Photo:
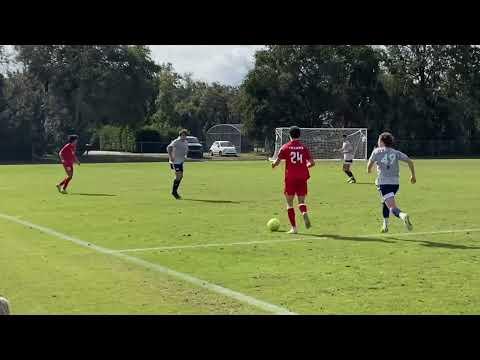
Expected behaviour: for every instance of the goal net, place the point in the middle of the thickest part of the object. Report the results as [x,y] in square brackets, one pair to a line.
[322,142]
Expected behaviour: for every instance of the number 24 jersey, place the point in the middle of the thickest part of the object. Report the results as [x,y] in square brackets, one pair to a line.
[296,156]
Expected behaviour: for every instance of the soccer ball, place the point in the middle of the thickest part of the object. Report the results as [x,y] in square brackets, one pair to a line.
[273,224]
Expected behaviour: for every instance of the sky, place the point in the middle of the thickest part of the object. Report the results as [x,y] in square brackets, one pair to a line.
[226,64]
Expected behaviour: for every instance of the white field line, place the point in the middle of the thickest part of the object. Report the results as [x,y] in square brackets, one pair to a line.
[177,247]
[161,269]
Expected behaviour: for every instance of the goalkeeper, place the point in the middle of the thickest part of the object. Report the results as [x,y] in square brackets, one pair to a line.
[348,153]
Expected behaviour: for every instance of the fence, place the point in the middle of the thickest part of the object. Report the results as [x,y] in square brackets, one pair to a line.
[155,146]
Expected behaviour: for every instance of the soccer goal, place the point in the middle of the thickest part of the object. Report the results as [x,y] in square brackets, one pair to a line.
[323,142]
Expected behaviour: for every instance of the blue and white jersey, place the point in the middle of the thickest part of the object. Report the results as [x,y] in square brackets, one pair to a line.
[388,169]
[180,150]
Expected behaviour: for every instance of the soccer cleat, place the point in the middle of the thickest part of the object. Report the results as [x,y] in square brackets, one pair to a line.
[64,191]
[176,196]
[306,219]
[407,222]
[59,188]
[292,231]
[384,229]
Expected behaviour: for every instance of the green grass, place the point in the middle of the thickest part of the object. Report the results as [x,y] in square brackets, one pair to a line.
[333,268]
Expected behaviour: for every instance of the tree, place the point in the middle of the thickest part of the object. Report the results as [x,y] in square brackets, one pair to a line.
[299,83]
[87,86]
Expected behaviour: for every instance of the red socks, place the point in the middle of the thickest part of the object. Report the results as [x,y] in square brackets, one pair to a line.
[291,216]
[65,183]
[303,208]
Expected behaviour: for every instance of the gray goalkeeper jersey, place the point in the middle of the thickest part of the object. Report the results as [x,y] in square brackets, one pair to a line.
[347,150]
[180,150]
[387,165]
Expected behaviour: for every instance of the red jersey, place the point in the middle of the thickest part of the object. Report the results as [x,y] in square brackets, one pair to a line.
[68,153]
[296,156]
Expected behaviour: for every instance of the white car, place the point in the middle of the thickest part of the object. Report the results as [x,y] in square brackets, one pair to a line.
[222,148]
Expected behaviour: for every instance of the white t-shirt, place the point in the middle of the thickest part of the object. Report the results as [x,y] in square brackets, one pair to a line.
[180,150]
[347,150]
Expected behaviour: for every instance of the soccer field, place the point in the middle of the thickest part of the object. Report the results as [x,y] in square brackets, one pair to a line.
[120,244]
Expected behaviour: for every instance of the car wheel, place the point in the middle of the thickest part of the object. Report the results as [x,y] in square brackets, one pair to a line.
[211,153]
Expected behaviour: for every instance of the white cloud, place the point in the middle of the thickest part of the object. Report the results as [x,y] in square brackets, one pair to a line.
[226,64]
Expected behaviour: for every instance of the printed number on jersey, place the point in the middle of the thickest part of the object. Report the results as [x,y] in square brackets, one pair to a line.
[296,157]
[388,159]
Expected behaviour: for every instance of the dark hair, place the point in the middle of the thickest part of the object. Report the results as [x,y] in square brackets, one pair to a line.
[183,131]
[294,132]
[344,136]
[72,138]
[387,139]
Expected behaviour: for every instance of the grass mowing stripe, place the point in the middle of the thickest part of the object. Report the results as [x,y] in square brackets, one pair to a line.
[161,269]
[288,240]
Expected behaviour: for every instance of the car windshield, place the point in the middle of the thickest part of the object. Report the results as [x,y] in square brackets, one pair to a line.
[192,139]
[225,143]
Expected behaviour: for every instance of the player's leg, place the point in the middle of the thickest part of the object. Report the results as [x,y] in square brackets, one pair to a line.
[289,196]
[385,209]
[301,194]
[394,209]
[62,186]
[386,216]
[346,169]
[177,180]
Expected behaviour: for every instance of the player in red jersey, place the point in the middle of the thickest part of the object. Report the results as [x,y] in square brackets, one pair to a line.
[68,157]
[297,162]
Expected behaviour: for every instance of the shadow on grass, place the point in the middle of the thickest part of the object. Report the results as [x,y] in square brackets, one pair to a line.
[86,194]
[213,201]
[349,238]
[388,239]
[428,243]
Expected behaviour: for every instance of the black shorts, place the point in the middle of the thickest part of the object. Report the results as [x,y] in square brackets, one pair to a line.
[348,162]
[387,191]
[177,167]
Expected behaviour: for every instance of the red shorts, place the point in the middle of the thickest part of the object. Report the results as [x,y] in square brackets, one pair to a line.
[295,186]
[68,167]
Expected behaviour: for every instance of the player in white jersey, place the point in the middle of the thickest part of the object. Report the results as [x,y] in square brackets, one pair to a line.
[386,158]
[348,153]
[177,153]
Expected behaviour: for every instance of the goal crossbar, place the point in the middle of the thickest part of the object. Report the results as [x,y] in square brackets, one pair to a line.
[324,143]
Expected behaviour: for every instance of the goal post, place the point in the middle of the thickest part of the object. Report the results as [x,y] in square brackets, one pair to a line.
[322,142]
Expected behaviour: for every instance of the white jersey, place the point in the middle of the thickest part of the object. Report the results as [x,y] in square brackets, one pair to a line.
[387,165]
[180,150]
[347,150]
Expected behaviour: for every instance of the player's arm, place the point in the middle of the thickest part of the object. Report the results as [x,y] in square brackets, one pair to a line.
[170,151]
[276,162]
[411,166]
[310,161]
[60,154]
[75,157]
[371,162]
[413,178]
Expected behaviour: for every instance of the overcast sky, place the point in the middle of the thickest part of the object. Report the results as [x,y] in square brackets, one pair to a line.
[226,64]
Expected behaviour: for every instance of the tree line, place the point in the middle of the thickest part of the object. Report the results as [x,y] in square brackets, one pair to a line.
[115,95]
